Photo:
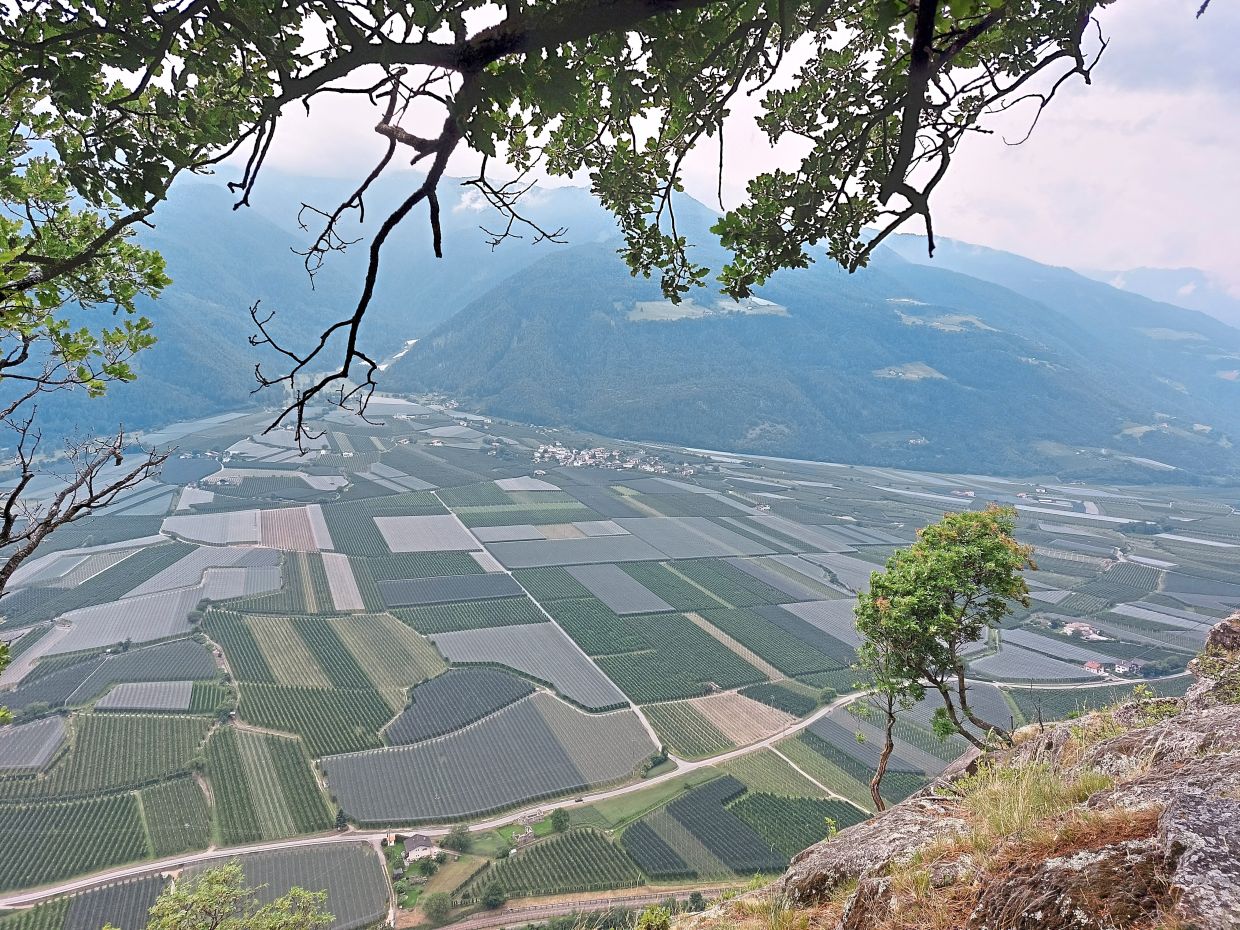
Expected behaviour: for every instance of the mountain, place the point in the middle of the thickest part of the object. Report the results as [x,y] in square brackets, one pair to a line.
[982,362]
[1185,287]
[222,261]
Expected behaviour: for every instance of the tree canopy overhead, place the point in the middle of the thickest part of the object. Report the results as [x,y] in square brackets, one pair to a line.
[879,93]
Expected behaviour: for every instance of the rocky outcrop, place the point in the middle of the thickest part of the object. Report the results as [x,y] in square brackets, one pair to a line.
[1154,842]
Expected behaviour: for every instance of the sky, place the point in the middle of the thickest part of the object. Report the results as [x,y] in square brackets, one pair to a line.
[1138,169]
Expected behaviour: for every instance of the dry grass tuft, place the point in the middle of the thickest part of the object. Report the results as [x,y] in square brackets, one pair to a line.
[1005,800]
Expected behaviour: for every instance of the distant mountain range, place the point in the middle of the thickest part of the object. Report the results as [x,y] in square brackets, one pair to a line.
[1185,287]
[978,361]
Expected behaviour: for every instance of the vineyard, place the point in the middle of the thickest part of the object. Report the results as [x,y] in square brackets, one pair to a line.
[580,860]
[351,875]
[109,585]
[790,825]
[123,905]
[781,697]
[49,916]
[551,584]
[245,658]
[454,699]
[176,816]
[353,530]
[843,774]
[703,813]
[341,668]
[45,842]
[685,731]
[470,615]
[329,721]
[109,752]
[1063,703]
[768,772]
[596,628]
[423,565]
[393,655]
[180,660]
[508,515]
[484,494]
[653,854]
[541,651]
[674,589]
[790,655]
[207,697]
[536,748]
[682,661]
[263,787]
[729,583]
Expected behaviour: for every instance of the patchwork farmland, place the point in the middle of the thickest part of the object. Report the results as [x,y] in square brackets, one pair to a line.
[425,623]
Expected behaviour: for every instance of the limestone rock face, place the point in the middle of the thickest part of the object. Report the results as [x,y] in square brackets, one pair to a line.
[1174,763]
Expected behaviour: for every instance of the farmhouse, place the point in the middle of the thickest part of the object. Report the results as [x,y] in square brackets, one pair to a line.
[418,846]
[1095,667]
[1128,667]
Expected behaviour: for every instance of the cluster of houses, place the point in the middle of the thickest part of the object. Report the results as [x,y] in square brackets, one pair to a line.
[601,457]
[1119,667]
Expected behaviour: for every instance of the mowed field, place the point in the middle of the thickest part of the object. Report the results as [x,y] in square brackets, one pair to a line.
[436,622]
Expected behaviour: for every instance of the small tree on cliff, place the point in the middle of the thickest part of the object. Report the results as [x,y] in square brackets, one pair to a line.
[893,692]
[934,598]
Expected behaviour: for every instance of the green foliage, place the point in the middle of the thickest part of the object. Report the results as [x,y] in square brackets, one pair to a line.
[934,598]
[217,899]
[654,917]
[559,820]
[458,839]
[437,906]
[494,896]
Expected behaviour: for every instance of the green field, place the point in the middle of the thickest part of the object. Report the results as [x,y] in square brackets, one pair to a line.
[264,788]
[685,731]
[113,751]
[579,860]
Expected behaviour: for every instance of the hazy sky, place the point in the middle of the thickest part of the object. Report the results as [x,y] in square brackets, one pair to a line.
[1138,169]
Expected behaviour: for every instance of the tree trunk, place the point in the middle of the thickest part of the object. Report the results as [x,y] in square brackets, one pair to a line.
[883,757]
[977,721]
[955,717]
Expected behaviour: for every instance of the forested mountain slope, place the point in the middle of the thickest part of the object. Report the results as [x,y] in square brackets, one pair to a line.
[902,364]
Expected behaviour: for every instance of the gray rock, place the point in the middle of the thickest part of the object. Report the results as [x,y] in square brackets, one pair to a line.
[1121,885]
[868,848]
[1200,838]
